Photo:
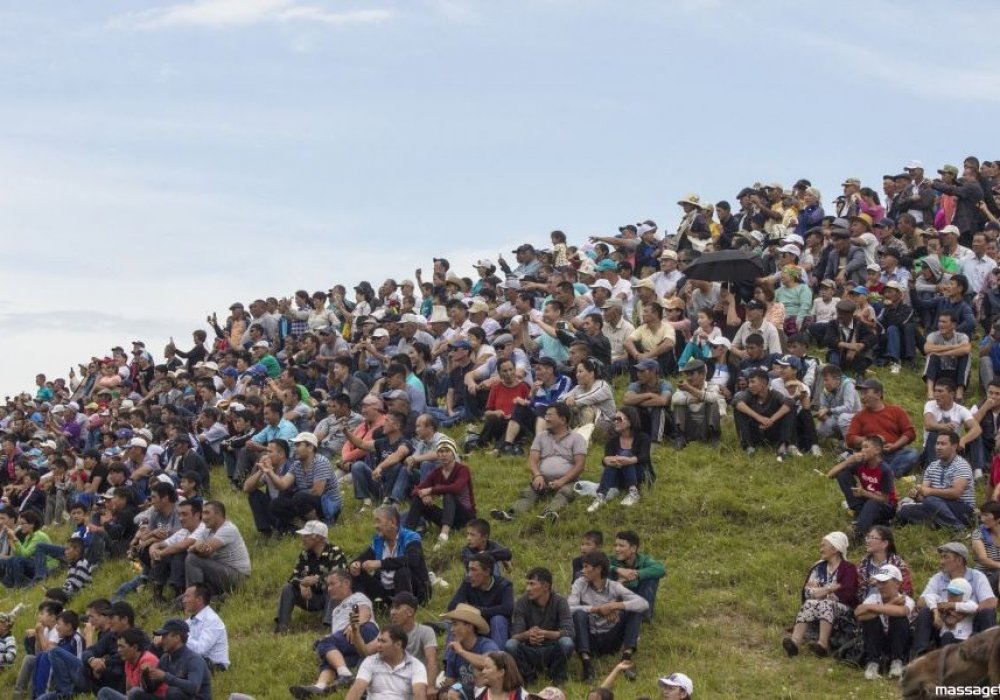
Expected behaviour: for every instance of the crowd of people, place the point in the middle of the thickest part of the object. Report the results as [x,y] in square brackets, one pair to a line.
[394,394]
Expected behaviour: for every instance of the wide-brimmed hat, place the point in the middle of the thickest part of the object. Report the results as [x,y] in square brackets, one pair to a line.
[691,199]
[439,314]
[467,613]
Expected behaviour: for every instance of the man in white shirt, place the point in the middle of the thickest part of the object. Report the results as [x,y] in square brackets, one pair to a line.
[978,267]
[617,328]
[942,414]
[666,279]
[392,673]
[208,635]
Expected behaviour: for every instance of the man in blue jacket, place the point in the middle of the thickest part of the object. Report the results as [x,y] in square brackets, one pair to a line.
[393,563]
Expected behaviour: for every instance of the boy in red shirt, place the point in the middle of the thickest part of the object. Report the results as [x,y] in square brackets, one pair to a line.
[868,485]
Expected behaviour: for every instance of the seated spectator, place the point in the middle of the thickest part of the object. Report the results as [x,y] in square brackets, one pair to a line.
[592,400]
[275,426]
[393,673]
[331,431]
[181,669]
[306,587]
[617,328]
[266,483]
[477,541]
[755,357]
[208,636]
[788,383]
[697,406]
[756,325]
[376,478]
[637,572]
[220,558]
[653,340]
[954,558]
[898,341]
[541,633]
[501,678]
[590,541]
[186,459]
[550,386]
[650,396]
[162,522]
[989,356]
[352,626]
[27,494]
[763,415]
[824,310]
[555,462]
[421,641]
[136,657]
[948,353]
[500,407]
[8,645]
[942,413]
[394,561]
[424,458]
[830,592]
[676,686]
[167,557]
[445,497]
[868,486]
[309,490]
[889,422]
[885,618]
[466,654]
[798,346]
[947,495]
[698,347]
[606,614]
[838,402]
[880,549]
[626,461]
[849,342]
[492,595]
[986,542]
[18,569]
[39,640]
[79,573]
[724,367]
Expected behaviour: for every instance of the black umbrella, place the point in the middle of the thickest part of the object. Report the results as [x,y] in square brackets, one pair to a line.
[725,266]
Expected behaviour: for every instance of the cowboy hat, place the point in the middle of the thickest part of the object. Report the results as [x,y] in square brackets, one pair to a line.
[466,613]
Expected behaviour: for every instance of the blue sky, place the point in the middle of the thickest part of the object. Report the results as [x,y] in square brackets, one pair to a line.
[161,159]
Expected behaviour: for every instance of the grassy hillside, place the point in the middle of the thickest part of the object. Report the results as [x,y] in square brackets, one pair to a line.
[737,534]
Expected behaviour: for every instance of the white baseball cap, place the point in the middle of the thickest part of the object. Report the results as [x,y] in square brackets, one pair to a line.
[314,527]
[678,680]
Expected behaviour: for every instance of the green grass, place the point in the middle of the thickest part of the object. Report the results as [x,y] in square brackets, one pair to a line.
[737,534]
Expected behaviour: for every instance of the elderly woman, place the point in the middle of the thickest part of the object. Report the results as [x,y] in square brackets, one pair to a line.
[986,542]
[591,400]
[795,297]
[830,592]
[812,214]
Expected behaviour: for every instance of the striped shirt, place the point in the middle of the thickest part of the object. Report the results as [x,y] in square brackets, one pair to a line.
[943,476]
[8,651]
[78,576]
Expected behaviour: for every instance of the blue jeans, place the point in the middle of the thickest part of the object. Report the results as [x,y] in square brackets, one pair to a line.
[975,454]
[901,344]
[937,511]
[66,668]
[446,421]
[620,478]
[624,634]
[869,512]
[16,572]
[367,487]
[901,461]
[499,630]
[42,552]
[647,589]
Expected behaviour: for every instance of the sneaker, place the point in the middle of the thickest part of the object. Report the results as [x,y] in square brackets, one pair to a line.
[794,451]
[977,474]
[343,681]
[816,451]
[442,540]
[366,505]
[896,669]
[871,671]
[598,502]
[782,453]
[895,369]
[612,494]
[750,451]
[498,514]
[437,580]
[631,498]
[549,515]
[680,442]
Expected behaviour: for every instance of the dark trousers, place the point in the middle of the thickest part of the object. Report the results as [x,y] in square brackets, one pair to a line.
[301,504]
[924,632]
[975,454]
[169,571]
[857,366]
[623,635]
[450,513]
[881,643]
[493,431]
[752,435]
[960,371]
[868,511]
[698,425]
[804,430]
[533,659]
[653,420]
[291,598]
[954,514]
[371,585]
[260,506]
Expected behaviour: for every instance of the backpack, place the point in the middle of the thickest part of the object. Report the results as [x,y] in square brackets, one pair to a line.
[847,644]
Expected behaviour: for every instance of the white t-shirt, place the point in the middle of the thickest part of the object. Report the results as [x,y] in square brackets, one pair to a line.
[387,682]
[957,415]
[340,615]
[868,243]
[876,599]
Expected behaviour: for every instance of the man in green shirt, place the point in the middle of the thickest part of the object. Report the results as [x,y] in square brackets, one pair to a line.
[637,572]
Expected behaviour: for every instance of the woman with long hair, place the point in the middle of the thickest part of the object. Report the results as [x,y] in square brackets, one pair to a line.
[500,678]
[626,460]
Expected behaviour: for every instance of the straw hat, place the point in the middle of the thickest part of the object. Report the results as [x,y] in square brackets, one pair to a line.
[691,199]
[466,613]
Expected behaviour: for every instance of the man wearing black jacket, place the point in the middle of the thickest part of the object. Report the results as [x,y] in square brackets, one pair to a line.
[899,339]
[849,342]
[542,633]
[969,194]
[492,595]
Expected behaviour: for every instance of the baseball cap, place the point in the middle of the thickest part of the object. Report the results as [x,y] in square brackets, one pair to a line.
[914,165]
[460,345]
[668,255]
[503,339]
[484,263]
[230,372]
[789,248]
[678,680]
[648,364]
[851,181]
[306,437]
[314,527]
[754,304]
[607,265]
[721,340]
[827,283]
[895,285]
[602,284]
[861,290]
[948,169]
[172,626]
[380,333]
[612,304]
[693,366]
[262,344]
[395,394]
[789,361]
[959,586]
[888,572]
[138,442]
[549,693]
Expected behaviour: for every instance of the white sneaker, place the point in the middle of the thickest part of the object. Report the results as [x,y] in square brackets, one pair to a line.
[871,671]
[442,540]
[895,369]
[598,502]
[365,506]
[612,494]
[896,669]
[437,580]
[977,475]
[631,498]
[794,451]
[816,451]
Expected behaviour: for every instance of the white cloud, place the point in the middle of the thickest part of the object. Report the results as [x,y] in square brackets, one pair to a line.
[218,14]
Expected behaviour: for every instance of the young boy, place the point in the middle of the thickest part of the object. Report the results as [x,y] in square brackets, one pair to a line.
[80,572]
[8,644]
[868,486]
[190,486]
[592,541]
[824,309]
[798,346]
[955,623]
[477,541]
[67,623]
[42,637]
